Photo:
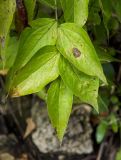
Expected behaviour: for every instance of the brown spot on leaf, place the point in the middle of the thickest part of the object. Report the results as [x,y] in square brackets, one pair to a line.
[76,52]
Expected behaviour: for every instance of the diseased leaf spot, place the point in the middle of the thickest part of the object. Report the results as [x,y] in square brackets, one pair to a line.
[76,52]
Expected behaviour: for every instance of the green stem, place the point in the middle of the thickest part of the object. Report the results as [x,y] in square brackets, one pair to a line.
[56,11]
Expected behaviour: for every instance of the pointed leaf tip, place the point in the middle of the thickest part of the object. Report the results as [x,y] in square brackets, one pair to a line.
[59,102]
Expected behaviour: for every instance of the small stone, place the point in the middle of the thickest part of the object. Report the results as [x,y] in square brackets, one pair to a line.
[77,139]
[61,157]
[6,156]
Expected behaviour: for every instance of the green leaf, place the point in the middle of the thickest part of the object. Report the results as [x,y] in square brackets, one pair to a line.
[103,104]
[37,73]
[118,155]
[11,52]
[101,131]
[30,6]
[74,44]
[59,102]
[117,7]
[109,72]
[113,25]
[106,8]
[83,86]
[41,33]
[42,94]
[75,11]
[94,9]
[50,3]
[7,9]
[100,33]
[114,124]
[105,55]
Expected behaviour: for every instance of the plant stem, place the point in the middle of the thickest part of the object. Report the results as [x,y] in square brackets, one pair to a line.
[56,11]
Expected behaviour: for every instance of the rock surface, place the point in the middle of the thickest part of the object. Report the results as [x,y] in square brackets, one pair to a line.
[77,139]
[6,156]
[7,143]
